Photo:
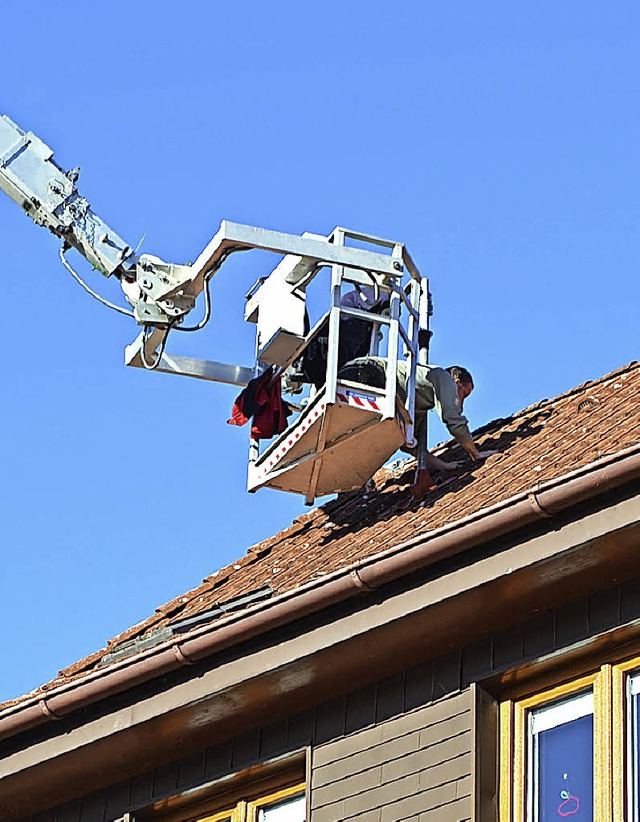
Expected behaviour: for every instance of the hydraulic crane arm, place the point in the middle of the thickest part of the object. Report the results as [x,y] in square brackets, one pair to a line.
[49,195]
[344,430]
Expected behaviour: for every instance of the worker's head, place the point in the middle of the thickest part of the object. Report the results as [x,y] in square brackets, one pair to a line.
[463,380]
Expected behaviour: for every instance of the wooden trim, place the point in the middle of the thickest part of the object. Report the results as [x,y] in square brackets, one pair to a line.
[622,752]
[230,815]
[619,768]
[308,778]
[486,755]
[254,806]
[507,748]
[603,743]
[558,676]
[520,762]
[559,691]
[621,747]
[629,665]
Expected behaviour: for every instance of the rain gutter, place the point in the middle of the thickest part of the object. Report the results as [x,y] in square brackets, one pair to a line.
[541,502]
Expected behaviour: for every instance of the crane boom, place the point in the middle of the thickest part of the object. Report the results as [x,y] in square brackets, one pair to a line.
[49,195]
[344,431]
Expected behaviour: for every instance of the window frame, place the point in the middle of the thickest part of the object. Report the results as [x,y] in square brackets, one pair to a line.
[622,673]
[231,814]
[255,805]
[229,797]
[513,753]
[247,809]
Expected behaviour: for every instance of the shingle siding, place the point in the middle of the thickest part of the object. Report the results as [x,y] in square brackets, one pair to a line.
[411,765]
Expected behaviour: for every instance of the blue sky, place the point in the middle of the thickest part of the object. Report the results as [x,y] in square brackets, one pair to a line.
[499,141]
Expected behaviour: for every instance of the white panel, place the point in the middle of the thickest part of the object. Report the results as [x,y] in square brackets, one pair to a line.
[289,810]
[634,684]
[542,719]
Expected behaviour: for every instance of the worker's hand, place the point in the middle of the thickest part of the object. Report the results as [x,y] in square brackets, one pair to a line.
[442,465]
[483,455]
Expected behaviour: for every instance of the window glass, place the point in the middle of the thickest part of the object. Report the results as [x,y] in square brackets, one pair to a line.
[561,760]
[292,809]
[633,746]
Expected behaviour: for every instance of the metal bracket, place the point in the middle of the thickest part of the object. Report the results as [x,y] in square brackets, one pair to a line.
[187,366]
[161,280]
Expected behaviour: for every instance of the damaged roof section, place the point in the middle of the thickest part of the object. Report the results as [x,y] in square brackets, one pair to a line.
[181,626]
[539,444]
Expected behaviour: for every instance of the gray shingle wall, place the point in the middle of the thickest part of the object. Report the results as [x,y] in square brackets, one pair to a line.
[414,766]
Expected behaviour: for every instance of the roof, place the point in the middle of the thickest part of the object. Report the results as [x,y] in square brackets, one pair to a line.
[538,444]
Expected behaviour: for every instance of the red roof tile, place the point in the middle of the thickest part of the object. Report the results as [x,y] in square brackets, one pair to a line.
[540,443]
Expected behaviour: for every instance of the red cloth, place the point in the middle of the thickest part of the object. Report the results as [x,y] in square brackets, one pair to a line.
[262,400]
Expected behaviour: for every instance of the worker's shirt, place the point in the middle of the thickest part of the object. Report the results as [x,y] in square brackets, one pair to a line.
[436,388]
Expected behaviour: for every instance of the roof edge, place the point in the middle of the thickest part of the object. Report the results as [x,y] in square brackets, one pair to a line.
[540,502]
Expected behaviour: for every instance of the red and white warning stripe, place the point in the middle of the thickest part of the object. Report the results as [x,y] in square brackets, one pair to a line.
[359,400]
[292,439]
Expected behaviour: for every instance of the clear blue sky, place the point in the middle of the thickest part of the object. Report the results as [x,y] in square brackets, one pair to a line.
[498,140]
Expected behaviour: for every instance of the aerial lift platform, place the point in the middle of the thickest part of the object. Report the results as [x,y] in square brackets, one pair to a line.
[343,432]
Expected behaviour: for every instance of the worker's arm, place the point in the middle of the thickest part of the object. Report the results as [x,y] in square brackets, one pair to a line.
[470,447]
[447,405]
[436,464]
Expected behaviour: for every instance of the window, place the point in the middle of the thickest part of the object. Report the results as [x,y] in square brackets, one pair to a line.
[287,805]
[573,751]
[278,808]
[560,766]
[274,791]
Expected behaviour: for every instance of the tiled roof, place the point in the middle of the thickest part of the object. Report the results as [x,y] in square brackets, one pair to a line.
[540,443]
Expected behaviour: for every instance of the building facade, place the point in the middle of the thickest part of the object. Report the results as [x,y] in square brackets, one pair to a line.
[475,656]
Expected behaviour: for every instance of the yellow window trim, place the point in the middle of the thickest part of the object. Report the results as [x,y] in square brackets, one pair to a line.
[513,738]
[254,806]
[618,738]
[230,815]
[247,811]
[620,673]
[506,759]
[609,685]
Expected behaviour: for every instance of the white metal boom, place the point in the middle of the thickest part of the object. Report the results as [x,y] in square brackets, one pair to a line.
[345,431]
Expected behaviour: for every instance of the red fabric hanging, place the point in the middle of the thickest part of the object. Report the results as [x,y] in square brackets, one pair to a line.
[262,400]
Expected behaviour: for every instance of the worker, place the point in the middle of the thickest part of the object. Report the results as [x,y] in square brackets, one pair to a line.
[444,389]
